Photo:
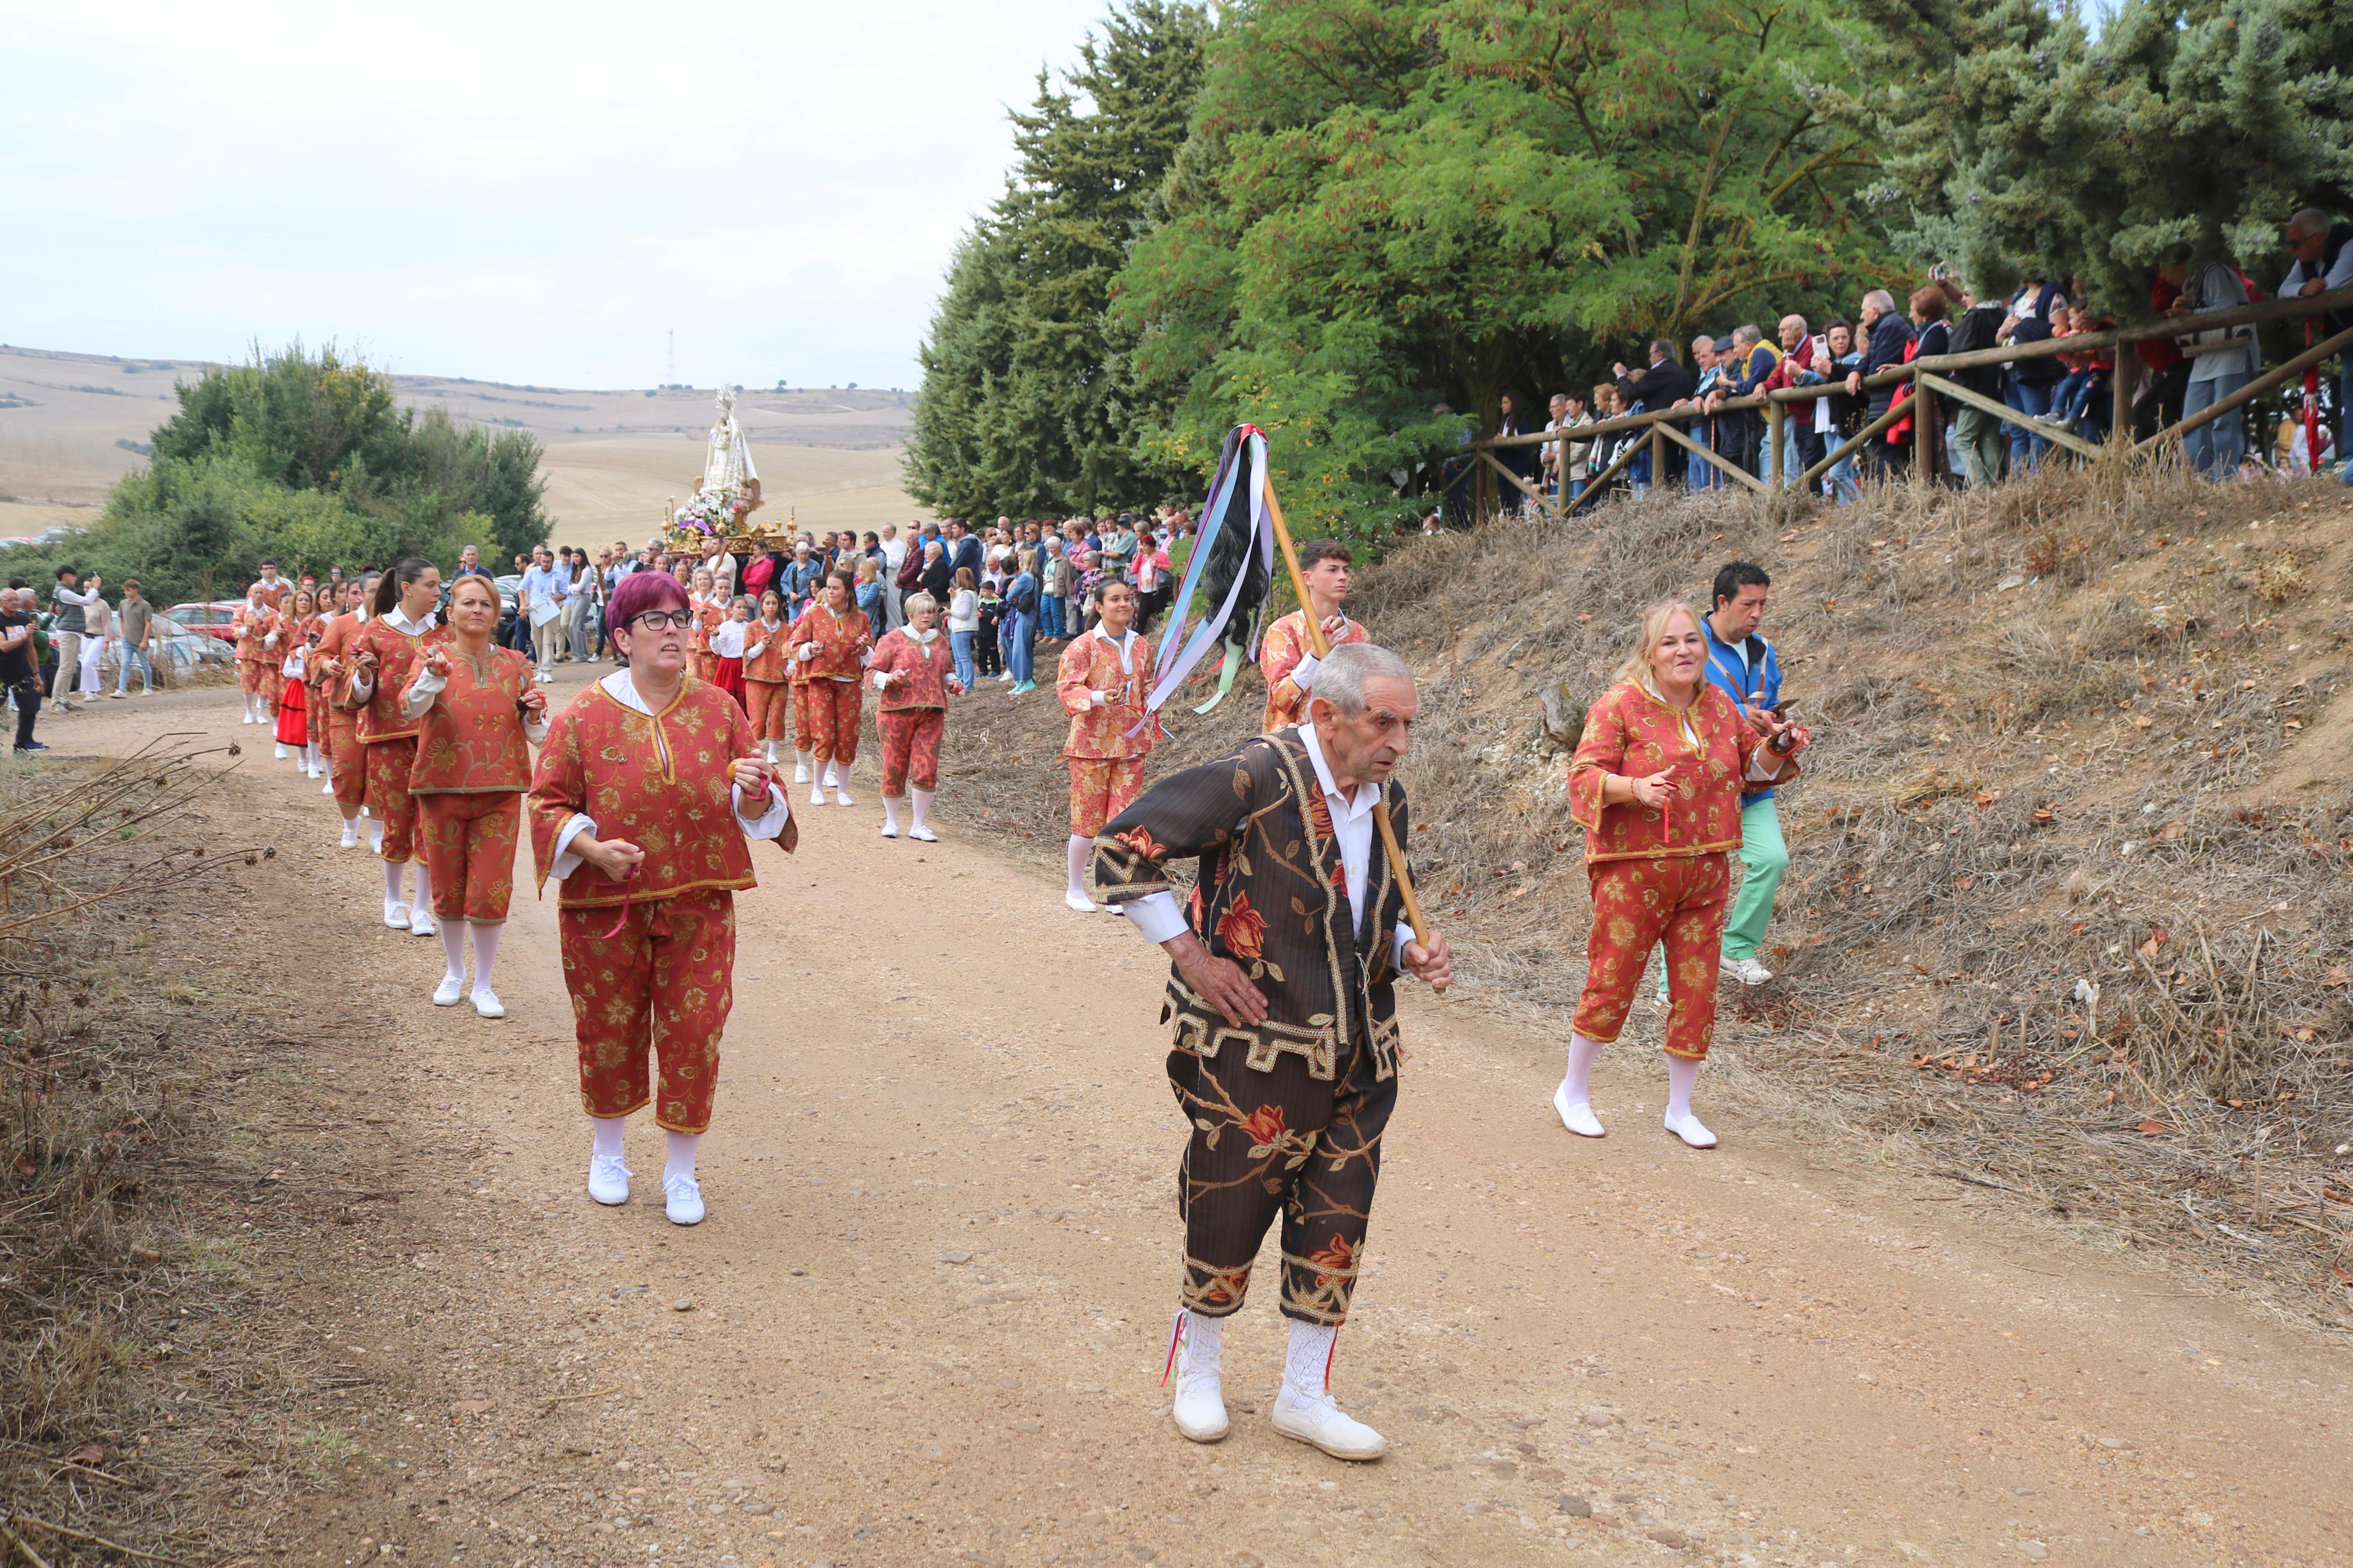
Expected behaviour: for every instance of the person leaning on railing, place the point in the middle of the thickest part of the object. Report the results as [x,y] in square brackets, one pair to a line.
[2221,360]
[2324,261]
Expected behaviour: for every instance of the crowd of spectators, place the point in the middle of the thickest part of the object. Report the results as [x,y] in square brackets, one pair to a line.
[2172,377]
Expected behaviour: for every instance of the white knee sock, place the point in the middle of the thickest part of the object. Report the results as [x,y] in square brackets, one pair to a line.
[1681,1073]
[804,760]
[1201,1342]
[606,1133]
[1079,850]
[1307,1363]
[392,893]
[889,814]
[1581,1055]
[375,835]
[424,889]
[486,950]
[922,798]
[680,1162]
[453,943]
[768,748]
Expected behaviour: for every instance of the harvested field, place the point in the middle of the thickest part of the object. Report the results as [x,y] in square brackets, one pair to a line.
[2072,866]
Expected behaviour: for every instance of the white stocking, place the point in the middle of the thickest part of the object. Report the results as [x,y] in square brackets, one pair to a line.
[424,888]
[453,943]
[486,950]
[924,798]
[375,839]
[891,813]
[391,894]
[1581,1055]
[681,1155]
[1307,1363]
[1079,850]
[607,1131]
[1681,1073]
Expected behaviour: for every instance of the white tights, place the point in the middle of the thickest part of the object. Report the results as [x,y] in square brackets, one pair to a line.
[606,1143]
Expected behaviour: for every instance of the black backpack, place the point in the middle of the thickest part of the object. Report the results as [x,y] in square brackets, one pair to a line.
[1977,330]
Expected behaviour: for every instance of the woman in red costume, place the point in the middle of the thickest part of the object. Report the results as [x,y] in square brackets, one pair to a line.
[915,672]
[646,791]
[1656,785]
[383,657]
[831,642]
[346,766]
[477,713]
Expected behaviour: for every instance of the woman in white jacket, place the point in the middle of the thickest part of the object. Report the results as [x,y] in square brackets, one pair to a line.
[964,622]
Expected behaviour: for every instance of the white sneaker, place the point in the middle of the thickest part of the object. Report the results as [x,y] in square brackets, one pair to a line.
[608,1180]
[446,994]
[1317,1421]
[350,839]
[1747,971]
[801,773]
[487,1003]
[281,750]
[841,796]
[683,1200]
[1692,1130]
[249,719]
[923,835]
[544,679]
[421,922]
[891,830]
[1200,1409]
[375,837]
[328,788]
[395,914]
[1080,901]
[817,796]
[1576,1115]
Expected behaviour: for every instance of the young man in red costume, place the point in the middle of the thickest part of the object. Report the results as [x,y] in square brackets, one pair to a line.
[1103,680]
[1285,657]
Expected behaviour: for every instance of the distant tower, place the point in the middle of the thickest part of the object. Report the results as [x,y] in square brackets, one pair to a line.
[669,369]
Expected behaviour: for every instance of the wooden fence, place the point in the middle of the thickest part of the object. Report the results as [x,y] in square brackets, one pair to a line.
[1931,379]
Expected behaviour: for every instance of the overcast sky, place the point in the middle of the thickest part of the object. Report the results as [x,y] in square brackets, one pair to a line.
[525,193]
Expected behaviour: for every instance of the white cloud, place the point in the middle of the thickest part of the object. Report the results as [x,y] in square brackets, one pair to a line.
[519,191]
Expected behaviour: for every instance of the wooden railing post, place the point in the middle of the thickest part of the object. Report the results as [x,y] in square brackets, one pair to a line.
[1658,458]
[2120,398]
[1923,433]
[1774,414]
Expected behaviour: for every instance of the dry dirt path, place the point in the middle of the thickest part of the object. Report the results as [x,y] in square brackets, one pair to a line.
[927,1314]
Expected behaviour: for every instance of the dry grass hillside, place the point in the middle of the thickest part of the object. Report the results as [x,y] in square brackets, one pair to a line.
[2072,866]
[70,424]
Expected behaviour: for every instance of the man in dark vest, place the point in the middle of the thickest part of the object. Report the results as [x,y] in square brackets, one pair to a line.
[1282,993]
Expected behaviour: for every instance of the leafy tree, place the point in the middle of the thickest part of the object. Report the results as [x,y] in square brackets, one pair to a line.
[2022,144]
[1019,408]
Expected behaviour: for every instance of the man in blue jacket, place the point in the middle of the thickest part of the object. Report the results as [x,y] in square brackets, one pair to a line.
[1745,669]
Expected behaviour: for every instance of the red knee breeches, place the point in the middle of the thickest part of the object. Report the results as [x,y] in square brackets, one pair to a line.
[650,1004]
[350,760]
[1100,790]
[910,748]
[470,851]
[828,713]
[764,701]
[389,763]
[1637,905]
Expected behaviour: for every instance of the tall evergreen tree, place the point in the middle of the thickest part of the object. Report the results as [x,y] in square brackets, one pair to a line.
[1019,410]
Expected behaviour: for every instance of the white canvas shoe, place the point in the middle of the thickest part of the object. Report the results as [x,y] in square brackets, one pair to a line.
[817,796]
[1080,901]
[328,788]
[1200,1410]
[890,830]
[1576,1115]
[421,922]
[683,1200]
[1747,971]
[801,773]
[1318,1422]
[395,914]
[923,835]
[1692,1130]
[487,1003]
[841,795]
[446,994]
[350,839]
[608,1180]
[281,750]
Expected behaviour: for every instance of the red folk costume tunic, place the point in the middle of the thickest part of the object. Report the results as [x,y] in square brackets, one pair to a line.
[911,713]
[708,614]
[473,763]
[1661,873]
[387,735]
[257,660]
[1284,645]
[344,754]
[767,678]
[650,961]
[825,684]
[1106,761]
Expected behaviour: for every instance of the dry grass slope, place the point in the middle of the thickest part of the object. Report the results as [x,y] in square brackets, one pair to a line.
[2072,864]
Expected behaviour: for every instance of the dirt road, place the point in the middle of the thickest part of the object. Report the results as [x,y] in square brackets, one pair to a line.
[925,1320]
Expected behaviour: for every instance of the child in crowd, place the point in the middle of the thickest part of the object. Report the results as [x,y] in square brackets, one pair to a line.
[986,647]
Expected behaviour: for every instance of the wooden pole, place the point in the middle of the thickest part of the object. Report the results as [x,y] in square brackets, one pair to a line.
[1923,433]
[1601,481]
[1730,468]
[2120,400]
[2253,389]
[1775,415]
[2047,429]
[1853,444]
[1658,456]
[1323,646]
[1531,491]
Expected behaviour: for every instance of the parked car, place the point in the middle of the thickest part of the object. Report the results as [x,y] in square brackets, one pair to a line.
[180,648]
[208,618]
[510,592]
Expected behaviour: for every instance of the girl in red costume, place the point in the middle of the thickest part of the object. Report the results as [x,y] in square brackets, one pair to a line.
[831,642]
[767,677]
[477,713]
[914,670]
[645,793]
[383,657]
[1656,785]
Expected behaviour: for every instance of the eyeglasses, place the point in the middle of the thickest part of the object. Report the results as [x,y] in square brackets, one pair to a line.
[663,620]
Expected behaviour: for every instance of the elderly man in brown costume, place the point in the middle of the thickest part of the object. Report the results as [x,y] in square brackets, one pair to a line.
[1286,1057]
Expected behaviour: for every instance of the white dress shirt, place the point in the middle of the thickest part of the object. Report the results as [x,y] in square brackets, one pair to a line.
[363,680]
[1159,918]
[623,691]
[727,638]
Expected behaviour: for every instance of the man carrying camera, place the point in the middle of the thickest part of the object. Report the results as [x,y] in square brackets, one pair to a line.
[1743,666]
